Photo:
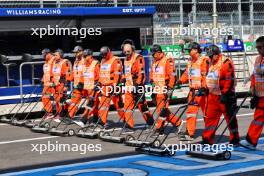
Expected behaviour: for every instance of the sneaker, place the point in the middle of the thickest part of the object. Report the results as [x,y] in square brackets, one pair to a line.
[179,127]
[93,119]
[247,145]
[128,131]
[184,136]
[235,143]
[79,123]
[49,116]
[67,120]
[158,132]
[57,119]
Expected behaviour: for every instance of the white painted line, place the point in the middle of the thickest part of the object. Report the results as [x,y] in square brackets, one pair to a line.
[72,165]
[241,115]
[3,124]
[25,140]
[236,171]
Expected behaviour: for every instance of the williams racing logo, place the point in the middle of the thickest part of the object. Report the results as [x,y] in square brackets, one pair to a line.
[25,12]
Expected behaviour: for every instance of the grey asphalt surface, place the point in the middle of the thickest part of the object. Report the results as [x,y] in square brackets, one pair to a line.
[16,144]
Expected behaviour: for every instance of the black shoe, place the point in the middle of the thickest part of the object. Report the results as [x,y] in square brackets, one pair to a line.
[67,120]
[128,131]
[93,119]
[184,136]
[84,120]
[235,143]
[158,132]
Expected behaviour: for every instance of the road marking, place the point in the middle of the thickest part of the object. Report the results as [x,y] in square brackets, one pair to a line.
[236,171]
[122,171]
[3,124]
[249,114]
[73,165]
[25,140]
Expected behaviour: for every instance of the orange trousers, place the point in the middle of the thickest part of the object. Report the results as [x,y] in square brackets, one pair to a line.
[256,126]
[129,105]
[166,115]
[46,98]
[213,111]
[60,93]
[75,100]
[192,111]
[105,102]
[91,108]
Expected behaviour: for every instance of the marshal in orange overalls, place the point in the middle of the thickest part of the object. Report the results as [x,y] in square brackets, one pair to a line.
[60,70]
[220,80]
[257,88]
[164,77]
[91,77]
[110,75]
[47,82]
[195,75]
[135,76]
[77,78]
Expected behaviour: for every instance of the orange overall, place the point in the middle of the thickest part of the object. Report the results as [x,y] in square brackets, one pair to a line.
[220,80]
[110,75]
[77,78]
[257,85]
[47,82]
[60,71]
[163,76]
[91,77]
[135,76]
[195,74]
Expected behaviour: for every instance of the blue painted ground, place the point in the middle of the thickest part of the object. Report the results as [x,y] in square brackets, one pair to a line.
[242,160]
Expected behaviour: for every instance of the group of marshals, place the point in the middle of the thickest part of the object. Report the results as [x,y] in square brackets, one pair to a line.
[211,80]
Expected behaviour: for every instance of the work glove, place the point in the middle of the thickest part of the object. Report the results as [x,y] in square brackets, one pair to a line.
[223,98]
[253,102]
[201,92]
[123,81]
[139,89]
[79,86]
[90,104]
[230,101]
[170,93]
[96,86]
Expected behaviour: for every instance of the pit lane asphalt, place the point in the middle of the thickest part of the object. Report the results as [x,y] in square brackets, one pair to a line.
[16,144]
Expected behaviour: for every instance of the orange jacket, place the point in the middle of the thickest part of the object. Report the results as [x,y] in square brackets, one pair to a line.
[227,80]
[60,70]
[77,74]
[138,70]
[90,72]
[96,70]
[170,74]
[47,69]
[115,71]
[257,78]
[203,69]
[227,76]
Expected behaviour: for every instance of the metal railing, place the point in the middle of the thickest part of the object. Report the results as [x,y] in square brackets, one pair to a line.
[21,75]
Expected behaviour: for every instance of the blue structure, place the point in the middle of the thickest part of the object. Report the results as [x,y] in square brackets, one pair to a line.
[23,20]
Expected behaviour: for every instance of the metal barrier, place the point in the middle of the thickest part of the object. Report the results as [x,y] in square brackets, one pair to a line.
[8,79]
[21,75]
[33,77]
